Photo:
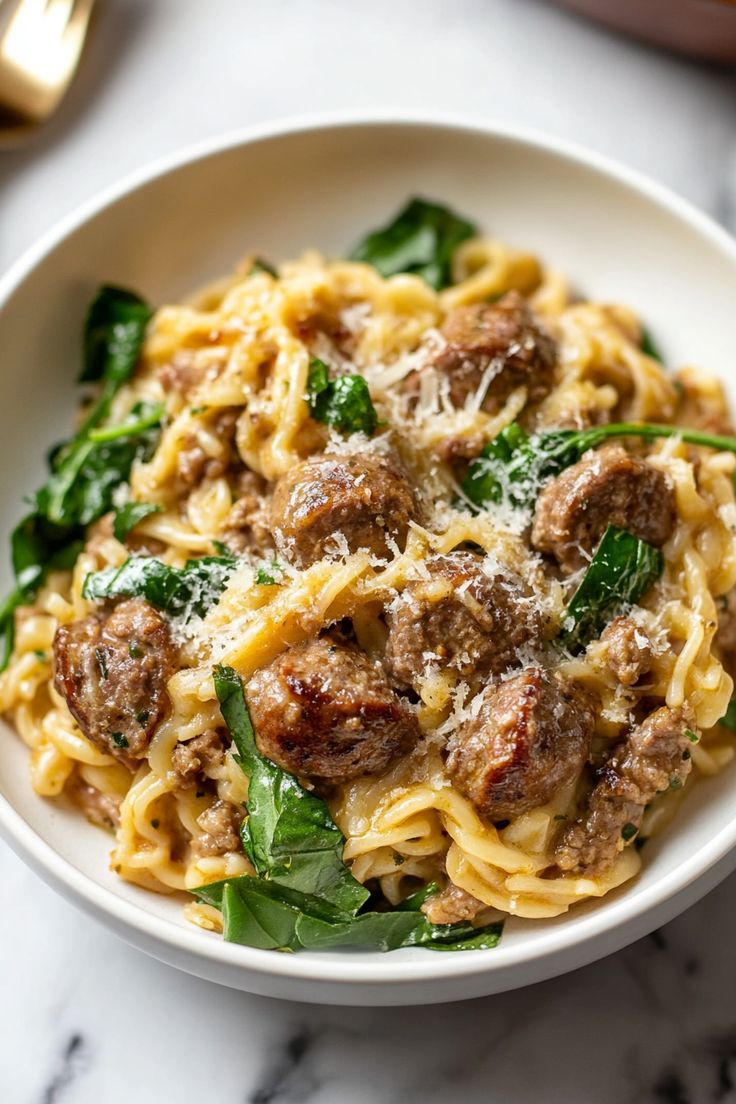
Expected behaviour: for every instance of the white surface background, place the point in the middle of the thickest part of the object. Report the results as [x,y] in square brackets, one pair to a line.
[85,1019]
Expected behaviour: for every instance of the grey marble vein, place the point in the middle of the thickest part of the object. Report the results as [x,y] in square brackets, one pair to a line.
[72,1062]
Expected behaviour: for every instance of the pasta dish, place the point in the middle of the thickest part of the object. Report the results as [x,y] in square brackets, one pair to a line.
[375,600]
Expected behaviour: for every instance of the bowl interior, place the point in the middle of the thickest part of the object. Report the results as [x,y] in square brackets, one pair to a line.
[325,187]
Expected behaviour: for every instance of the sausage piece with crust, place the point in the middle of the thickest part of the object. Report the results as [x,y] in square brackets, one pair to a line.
[530,737]
[112,668]
[607,486]
[367,499]
[323,710]
[461,618]
[499,346]
[653,758]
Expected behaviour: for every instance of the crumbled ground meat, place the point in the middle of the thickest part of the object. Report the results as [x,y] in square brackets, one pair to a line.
[726,634]
[182,373]
[608,486]
[191,760]
[112,668]
[221,826]
[451,906]
[194,464]
[247,526]
[628,650]
[653,758]
[702,403]
[101,808]
[460,448]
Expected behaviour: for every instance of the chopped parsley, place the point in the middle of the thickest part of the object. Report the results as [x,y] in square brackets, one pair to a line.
[119,739]
[266,574]
[628,831]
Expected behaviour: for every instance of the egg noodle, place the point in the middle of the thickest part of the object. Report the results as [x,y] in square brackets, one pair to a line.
[248,342]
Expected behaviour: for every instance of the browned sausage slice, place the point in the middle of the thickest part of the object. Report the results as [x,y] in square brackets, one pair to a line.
[366,500]
[462,618]
[605,487]
[497,345]
[530,737]
[323,710]
[652,759]
[112,668]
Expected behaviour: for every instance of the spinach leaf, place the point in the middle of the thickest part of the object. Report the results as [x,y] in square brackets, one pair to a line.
[344,403]
[649,347]
[261,913]
[507,470]
[113,334]
[259,265]
[482,939]
[143,416]
[85,471]
[620,573]
[289,835]
[81,486]
[179,591]
[7,625]
[512,467]
[128,516]
[420,240]
[728,720]
[37,547]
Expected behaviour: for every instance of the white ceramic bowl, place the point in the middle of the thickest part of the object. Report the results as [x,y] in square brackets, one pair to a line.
[279,190]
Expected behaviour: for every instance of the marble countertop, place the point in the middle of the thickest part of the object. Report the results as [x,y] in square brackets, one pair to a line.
[88,1020]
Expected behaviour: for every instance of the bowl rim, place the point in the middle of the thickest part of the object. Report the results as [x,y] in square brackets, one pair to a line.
[367,968]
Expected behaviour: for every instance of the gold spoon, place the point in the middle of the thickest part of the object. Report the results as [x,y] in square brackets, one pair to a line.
[40,47]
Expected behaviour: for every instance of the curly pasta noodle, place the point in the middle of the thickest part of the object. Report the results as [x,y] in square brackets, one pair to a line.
[246,344]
